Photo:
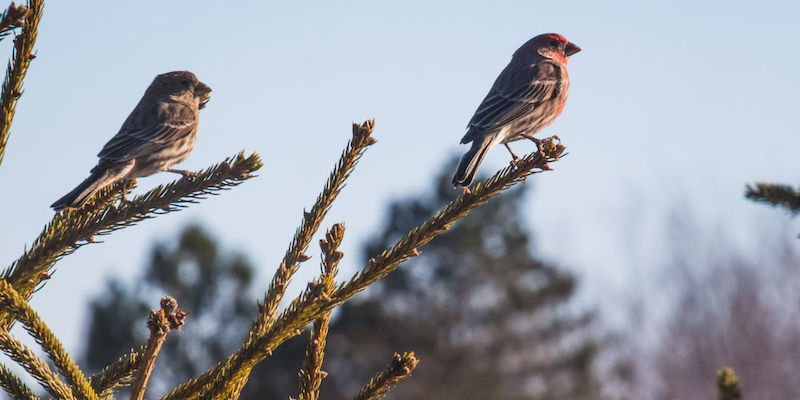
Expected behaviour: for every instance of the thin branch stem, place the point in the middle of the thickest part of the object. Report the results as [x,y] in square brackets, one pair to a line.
[161,322]
[35,366]
[17,68]
[17,307]
[311,374]
[398,369]
[309,306]
[71,229]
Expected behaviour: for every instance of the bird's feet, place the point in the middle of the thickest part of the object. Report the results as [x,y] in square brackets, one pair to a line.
[538,142]
[185,173]
[514,158]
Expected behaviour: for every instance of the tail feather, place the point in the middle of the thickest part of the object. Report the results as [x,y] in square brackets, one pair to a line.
[96,181]
[472,160]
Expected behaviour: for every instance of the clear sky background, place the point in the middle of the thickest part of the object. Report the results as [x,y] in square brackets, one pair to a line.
[674,106]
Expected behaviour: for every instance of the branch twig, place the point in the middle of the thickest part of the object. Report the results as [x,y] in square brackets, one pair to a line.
[35,366]
[15,388]
[71,229]
[775,195]
[17,307]
[161,322]
[13,18]
[17,68]
[399,369]
[311,374]
[728,386]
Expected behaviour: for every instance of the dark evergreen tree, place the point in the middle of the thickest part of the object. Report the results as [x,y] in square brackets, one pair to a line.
[215,288]
[484,314]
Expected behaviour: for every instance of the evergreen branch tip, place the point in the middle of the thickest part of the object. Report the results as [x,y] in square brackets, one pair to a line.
[384,381]
[161,322]
[728,386]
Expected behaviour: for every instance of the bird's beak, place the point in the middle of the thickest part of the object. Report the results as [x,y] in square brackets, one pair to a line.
[571,49]
[202,88]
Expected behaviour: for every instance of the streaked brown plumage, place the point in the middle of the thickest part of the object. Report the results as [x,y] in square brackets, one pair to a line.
[527,96]
[159,133]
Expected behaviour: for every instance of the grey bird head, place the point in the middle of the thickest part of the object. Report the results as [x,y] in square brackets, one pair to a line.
[182,85]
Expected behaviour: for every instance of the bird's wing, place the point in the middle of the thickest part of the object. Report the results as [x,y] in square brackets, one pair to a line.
[149,130]
[516,92]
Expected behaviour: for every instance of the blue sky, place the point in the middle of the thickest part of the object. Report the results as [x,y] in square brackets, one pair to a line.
[674,106]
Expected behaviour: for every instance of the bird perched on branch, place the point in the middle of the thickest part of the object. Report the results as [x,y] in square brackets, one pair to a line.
[160,132]
[526,97]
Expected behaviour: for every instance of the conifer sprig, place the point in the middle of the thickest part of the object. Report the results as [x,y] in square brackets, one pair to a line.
[17,68]
[728,386]
[783,196]
[362,138]
[118,374]
[12,303]
[71,229]
[12,18]
[310,306]
[35,366]
[267,310]
[14,386]
[398,369]
[161,322]
[311,374]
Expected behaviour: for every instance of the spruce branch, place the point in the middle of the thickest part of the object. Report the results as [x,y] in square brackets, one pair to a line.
[355,148]
[14,386]
[728,386]
[161,322]
[398,369]
[71,229]
[118,374]
[308,307]
[783,196]
[35,366]
[12,18]
[311,374]
[310,224]
[17,68]
[12,303]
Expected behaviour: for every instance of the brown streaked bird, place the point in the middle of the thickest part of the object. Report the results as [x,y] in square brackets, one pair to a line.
[526,97]
[159,133]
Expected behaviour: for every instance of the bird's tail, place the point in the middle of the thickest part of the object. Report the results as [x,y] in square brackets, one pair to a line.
[472,160]
[96,181]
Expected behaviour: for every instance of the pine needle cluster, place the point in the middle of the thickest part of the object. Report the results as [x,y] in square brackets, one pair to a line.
[783,196]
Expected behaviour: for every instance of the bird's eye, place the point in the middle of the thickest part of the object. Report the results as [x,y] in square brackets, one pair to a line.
[186,83]
[555,43]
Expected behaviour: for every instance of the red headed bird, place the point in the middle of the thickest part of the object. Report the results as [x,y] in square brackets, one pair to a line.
[527,96]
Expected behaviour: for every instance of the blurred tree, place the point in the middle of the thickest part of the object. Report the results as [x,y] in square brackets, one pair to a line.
[487,318]
[732,309]
[216,289]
